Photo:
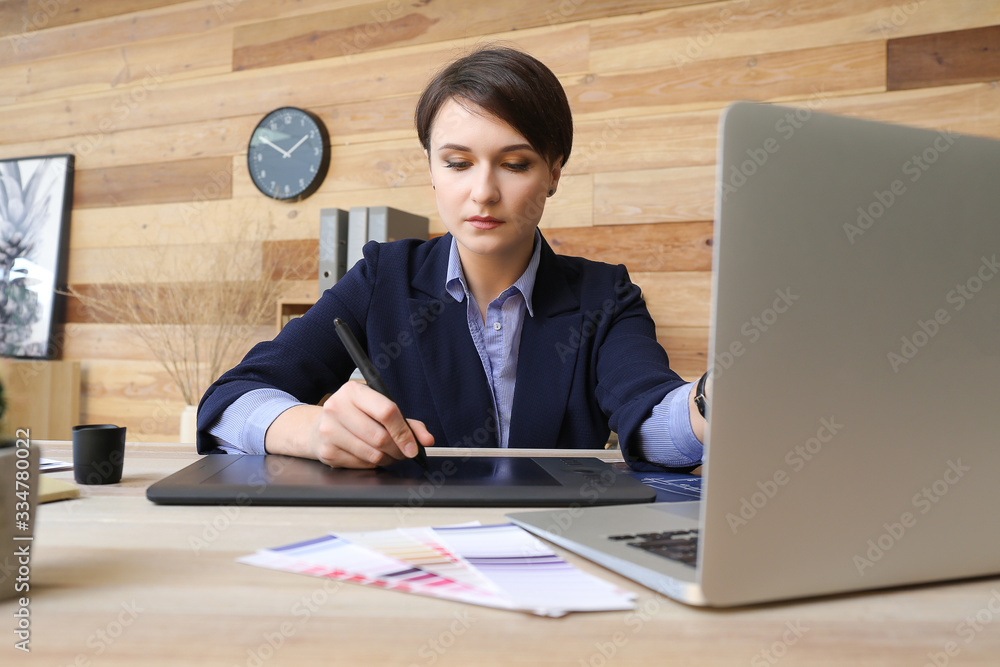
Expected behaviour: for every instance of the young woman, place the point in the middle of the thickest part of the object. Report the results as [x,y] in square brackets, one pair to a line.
[484,336]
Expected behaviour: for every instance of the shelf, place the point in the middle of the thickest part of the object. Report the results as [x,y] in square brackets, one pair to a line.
[289,309]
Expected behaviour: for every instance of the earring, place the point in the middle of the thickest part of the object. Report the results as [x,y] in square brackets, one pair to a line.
[551,192]
[433,188]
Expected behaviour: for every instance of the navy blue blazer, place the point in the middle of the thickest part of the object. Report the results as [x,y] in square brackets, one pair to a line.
[588,361]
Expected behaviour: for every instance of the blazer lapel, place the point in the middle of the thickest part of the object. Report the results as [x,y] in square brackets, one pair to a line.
[546,362]
[451,364]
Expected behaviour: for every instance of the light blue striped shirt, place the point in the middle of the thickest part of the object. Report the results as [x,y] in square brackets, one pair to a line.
[665,438]
[498,338]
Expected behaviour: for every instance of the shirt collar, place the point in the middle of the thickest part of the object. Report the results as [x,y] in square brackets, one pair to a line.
[456,286]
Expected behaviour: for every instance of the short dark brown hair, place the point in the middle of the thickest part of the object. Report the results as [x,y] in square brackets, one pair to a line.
[512,86]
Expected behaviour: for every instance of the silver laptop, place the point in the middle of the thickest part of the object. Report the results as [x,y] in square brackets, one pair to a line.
[854,436]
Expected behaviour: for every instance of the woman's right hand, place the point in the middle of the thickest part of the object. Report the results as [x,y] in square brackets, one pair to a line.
[356,427]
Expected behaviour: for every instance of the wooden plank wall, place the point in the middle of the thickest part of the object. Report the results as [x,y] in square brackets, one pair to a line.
[157,99]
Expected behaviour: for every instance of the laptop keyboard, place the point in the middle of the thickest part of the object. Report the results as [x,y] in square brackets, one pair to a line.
[679,545]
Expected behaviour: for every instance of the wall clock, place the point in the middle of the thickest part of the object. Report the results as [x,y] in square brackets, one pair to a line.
[289,154]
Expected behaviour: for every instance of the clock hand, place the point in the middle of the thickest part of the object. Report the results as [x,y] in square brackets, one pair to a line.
[265,140]
[292,149]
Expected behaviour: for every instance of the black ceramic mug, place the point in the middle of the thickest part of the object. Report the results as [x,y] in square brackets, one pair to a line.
[98,453]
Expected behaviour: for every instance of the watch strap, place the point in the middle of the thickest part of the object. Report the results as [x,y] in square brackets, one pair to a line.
[700,400]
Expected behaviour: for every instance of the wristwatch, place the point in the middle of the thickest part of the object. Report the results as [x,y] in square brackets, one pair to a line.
[700,400]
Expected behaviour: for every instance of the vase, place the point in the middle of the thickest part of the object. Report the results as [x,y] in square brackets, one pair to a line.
[189,424]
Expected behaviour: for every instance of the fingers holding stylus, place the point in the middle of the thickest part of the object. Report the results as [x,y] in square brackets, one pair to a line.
[360,428]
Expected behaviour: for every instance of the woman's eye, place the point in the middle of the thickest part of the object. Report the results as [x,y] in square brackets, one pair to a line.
[517,166]
[457,164]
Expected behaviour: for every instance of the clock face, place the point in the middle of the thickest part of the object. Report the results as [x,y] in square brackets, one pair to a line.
[289,154]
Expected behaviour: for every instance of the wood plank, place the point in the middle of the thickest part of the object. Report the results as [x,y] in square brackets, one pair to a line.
[676,298]
[43,396]
[365,77]
[350,122]
[186,180]
[196,293]
[655,195]
[970,109]
[645,142]
[25,18]
[138,395]
[149,264]
[944,58]
[684,36]
[123,24]
[216,221]
[677,246]
[380,25]
[113,147]
[766,76]
[103,341]
[297,259]
[687,348]
[103,70]
[115,341]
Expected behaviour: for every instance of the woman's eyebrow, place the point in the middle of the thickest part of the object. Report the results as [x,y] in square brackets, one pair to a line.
[505,149]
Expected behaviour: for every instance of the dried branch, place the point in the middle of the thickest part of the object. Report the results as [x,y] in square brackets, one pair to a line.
[200,306]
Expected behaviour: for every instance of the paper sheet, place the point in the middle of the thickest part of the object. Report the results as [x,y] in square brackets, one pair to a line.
[498,566]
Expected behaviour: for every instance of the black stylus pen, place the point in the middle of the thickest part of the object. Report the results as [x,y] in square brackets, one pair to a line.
[372,377]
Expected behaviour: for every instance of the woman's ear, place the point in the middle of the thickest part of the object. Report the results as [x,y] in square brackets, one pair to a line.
[554,173]
[429,170]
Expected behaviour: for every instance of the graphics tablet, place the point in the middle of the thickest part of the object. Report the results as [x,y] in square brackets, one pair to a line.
[495,481]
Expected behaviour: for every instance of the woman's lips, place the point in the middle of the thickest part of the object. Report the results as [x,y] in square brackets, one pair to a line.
[484,222]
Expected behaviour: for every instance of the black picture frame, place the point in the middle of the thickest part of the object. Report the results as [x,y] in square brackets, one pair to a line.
[36,198]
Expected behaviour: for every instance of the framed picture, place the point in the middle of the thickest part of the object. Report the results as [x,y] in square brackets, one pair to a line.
[36,196]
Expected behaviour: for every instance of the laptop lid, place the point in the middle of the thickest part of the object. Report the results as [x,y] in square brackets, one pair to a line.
[854,339]
[852,434]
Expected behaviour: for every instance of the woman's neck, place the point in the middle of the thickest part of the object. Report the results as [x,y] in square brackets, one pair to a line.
[489,275]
